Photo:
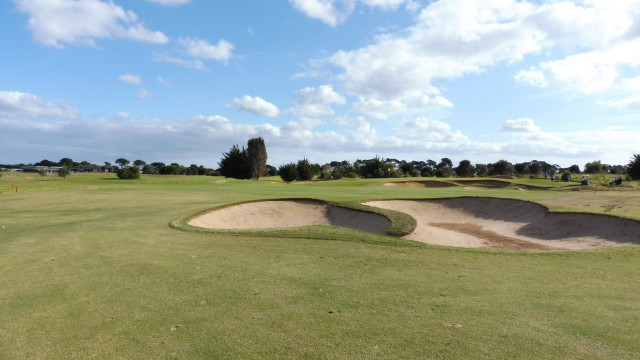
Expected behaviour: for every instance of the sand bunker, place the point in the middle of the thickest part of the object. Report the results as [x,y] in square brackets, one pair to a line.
[483,183]
[421,184]
[281,214]
[510,224]
[463,222]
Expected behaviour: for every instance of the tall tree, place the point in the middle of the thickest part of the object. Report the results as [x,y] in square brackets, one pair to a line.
[139,163]
[445,163]
[305,170]
[234,164]
[535,168]
[66,162]
[122,162]
[257,157]
[574,169]
[501,167]
[465,169]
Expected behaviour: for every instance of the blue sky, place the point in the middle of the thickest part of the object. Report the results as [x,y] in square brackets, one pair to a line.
[184,80]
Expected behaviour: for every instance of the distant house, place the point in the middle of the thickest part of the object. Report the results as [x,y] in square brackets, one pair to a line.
[47,169]
[94,169]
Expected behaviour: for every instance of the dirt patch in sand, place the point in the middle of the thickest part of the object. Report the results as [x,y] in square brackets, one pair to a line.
[421,184]
[510,224]
[290,213]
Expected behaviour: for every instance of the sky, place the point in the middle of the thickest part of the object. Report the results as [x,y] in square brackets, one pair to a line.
[184,80]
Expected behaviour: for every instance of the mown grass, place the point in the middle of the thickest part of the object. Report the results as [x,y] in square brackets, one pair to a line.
[89,268]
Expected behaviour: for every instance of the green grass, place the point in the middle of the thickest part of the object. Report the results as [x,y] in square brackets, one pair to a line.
[90,268]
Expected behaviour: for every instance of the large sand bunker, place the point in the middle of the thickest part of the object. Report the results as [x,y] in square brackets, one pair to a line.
[510,224]
[463,222]
[288,213]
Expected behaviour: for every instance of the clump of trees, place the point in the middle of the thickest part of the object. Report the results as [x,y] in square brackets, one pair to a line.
[303,170]
[129,173]
[465,169]
[249,163]
[593,167]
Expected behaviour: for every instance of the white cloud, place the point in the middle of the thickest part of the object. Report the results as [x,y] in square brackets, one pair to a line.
[256,105]
[170,2]
[187,63]
[592,45]
[16,105]
[452,38]
[144,94]
[312,101]
[384,109]
[379,109]
[522,125]
[533,77]
[195,139]
[202,49]
[331,12]
[600,41]
[130,79]
[54,22]
[386,4]
[334,12]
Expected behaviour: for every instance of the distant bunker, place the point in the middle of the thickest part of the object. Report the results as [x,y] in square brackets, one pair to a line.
[472,184]
[463,222]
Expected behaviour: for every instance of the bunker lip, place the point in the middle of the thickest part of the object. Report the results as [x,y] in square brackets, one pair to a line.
[421,184]
[510,224]
[290,213]
[483,183]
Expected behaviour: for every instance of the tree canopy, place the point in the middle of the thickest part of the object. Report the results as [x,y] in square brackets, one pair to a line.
[633,168]
[465,169]
[593,167]
[122,162]
[288,172]
[234,164]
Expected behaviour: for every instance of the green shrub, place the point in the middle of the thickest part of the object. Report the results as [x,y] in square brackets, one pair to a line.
[304,169]
[129,173]
[64,172]
[288,172]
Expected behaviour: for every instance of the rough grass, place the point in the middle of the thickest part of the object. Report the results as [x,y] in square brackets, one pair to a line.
[89,268]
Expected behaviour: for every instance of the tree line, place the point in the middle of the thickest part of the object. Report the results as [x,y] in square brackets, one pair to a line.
[238,162]
[241,163]
[250,162]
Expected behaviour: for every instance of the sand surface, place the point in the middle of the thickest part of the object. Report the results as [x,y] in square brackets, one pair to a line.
[421,184]
[462,222]
[281,214]
[510,224]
